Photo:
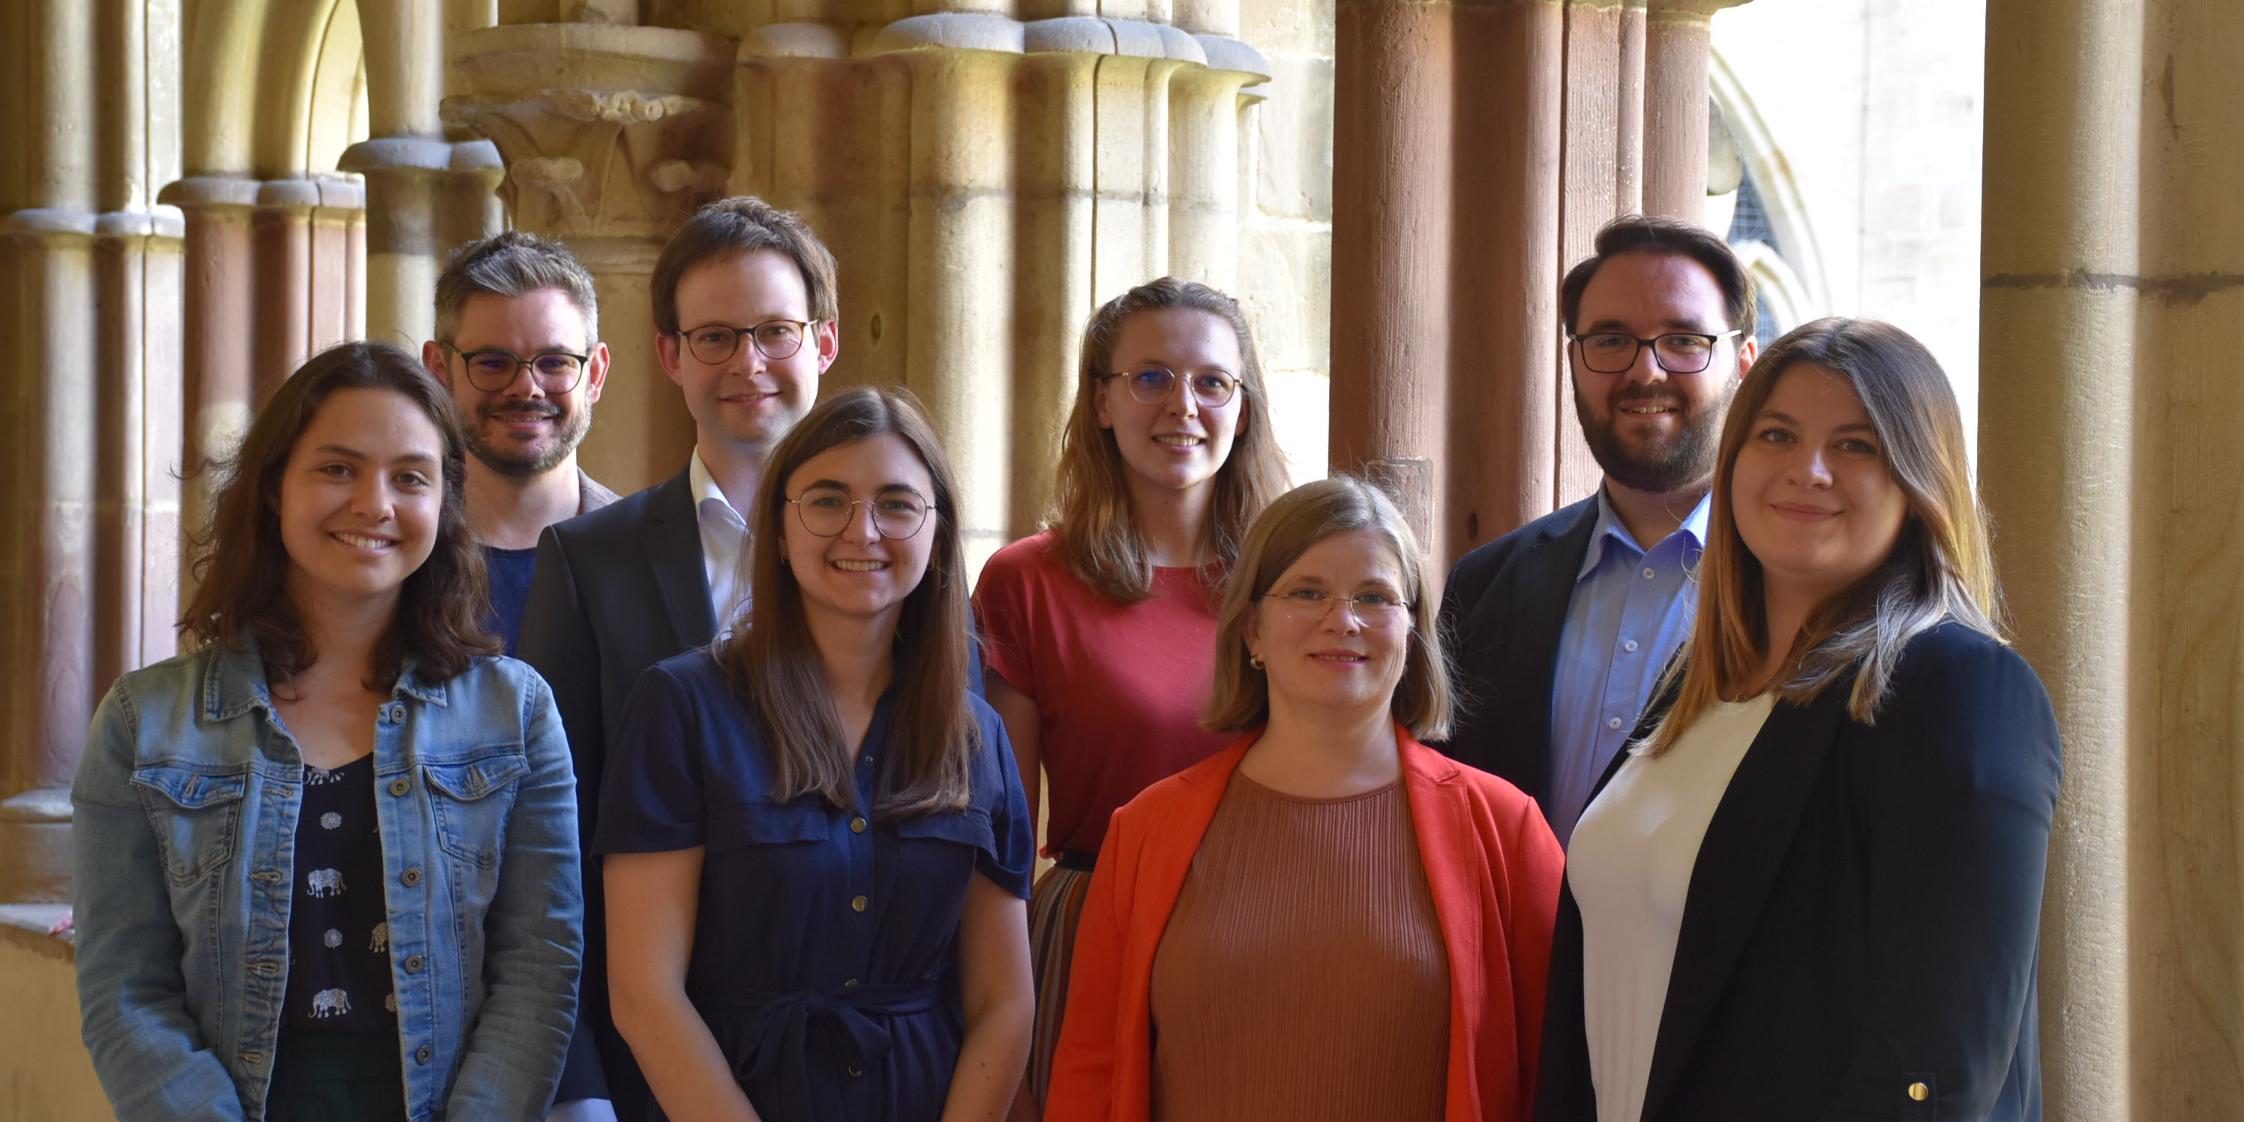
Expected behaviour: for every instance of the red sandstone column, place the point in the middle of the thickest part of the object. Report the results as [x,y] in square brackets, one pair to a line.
[1675,105]
[1394,111]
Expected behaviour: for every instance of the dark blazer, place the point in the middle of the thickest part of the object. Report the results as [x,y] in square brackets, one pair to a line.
[615,591]
[1863,915]
[1501,615]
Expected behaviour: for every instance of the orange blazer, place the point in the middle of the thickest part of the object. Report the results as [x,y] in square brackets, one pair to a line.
[1491,864]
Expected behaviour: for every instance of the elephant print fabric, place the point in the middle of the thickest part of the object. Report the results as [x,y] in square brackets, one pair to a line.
[339,974]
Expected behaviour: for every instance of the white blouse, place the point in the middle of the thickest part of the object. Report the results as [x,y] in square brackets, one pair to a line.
[1630,868]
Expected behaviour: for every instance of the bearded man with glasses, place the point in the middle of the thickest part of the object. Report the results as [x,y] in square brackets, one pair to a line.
[1560,628]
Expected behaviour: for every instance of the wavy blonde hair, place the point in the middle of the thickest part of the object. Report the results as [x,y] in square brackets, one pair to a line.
[1941,567]
[1099,536]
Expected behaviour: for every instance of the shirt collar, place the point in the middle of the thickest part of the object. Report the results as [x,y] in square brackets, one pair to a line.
[705,488]
[234,681]
[1608,530]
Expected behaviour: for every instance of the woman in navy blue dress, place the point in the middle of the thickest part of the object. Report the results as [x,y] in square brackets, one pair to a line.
[815,845]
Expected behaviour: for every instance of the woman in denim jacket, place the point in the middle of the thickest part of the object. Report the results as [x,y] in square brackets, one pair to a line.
[326,862]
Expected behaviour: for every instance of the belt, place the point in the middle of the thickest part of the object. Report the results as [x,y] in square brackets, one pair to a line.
[777,1029]
[1076,859]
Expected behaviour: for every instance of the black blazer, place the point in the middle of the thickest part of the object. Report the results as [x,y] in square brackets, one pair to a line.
[1863,915]
[1502,612]
[614,592]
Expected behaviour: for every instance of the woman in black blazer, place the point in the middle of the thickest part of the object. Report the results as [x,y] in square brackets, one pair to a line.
[1813,891]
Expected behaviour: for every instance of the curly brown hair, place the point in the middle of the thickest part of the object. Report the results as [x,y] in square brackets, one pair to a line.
[241,567]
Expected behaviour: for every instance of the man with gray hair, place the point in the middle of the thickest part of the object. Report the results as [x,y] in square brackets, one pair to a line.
[518,342]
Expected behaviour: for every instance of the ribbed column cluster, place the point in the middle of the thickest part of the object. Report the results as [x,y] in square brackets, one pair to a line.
[1478,145]
[90,274]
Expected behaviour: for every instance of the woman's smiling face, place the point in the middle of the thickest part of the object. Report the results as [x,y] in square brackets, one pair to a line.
[1813,497]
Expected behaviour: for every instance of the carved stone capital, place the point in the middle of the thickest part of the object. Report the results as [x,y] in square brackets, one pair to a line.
[619,134]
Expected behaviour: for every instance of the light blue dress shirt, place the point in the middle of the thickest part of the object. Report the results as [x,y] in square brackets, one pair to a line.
[1630,610]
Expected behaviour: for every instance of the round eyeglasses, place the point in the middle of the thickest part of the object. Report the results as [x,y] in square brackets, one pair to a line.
[1677,352]
[827,511]
[775,339]
[1308,605]
[1151,384]
[492,371]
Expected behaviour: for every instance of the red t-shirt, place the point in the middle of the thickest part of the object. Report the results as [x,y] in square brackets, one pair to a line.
[1118,688]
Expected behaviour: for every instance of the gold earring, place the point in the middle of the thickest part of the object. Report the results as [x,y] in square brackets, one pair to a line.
[1254,660]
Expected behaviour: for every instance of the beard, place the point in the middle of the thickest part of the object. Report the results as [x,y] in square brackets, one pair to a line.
[515,460]
[1656,466]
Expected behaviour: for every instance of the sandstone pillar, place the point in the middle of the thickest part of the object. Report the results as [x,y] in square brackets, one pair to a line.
[985,182]
[88,275]
[2114,281]
[1675,106]
[1459,197]
[610,136]
[403,164]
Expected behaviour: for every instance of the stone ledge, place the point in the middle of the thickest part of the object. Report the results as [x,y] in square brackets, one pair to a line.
[26,926]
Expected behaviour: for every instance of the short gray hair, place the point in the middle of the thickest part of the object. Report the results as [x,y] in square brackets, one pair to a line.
[513,264]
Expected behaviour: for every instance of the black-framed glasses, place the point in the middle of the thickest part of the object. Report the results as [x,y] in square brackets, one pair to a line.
[775,339]
[1677,352]
[898,512]
[493,370]
[1152,383]
[1305,605]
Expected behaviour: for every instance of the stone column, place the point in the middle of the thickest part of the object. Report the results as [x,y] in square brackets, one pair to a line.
[88,271]
[1675,106]
[403,163]
[984,183]
[610,136]
[2114,281]
[1459,197]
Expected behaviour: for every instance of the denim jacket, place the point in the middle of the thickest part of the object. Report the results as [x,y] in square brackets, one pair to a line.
[185,827]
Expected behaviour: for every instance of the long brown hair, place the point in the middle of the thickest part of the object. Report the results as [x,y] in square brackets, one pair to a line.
[241,565]
[1941,567]
[927,763]
[1099,536]
[1293,523]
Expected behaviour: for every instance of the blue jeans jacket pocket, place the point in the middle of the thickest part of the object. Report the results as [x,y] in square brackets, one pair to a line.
[471,801]
[196,814]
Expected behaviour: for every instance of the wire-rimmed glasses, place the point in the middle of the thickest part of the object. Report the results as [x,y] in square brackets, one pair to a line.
[1151,384]
[898,512]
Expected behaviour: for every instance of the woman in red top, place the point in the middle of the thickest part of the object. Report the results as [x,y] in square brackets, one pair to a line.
[1327,920]
[1099,631]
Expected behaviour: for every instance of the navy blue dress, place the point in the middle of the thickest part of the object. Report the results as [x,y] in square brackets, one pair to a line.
[825,946]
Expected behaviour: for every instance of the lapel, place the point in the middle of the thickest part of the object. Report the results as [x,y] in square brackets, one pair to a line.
[1539,598]
[1439,819]
[674,554]
[1746,842]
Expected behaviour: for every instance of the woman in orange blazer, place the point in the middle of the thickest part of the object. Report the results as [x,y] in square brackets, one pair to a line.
[1326,920]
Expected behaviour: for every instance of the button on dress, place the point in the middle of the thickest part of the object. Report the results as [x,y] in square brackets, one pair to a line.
[825,944]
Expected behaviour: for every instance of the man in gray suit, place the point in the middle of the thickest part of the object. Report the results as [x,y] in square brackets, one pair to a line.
[745,310]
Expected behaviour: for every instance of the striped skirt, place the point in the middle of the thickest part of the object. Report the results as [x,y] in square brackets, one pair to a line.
[1055,908]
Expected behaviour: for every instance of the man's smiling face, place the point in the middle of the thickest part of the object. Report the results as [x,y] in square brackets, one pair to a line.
[1651,429]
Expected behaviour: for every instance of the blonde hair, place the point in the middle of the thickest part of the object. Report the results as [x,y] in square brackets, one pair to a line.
[1099,536]
[1940,568]
[1240,696]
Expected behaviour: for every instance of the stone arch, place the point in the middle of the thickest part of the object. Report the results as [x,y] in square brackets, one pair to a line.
[273,88]
[1801,274]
